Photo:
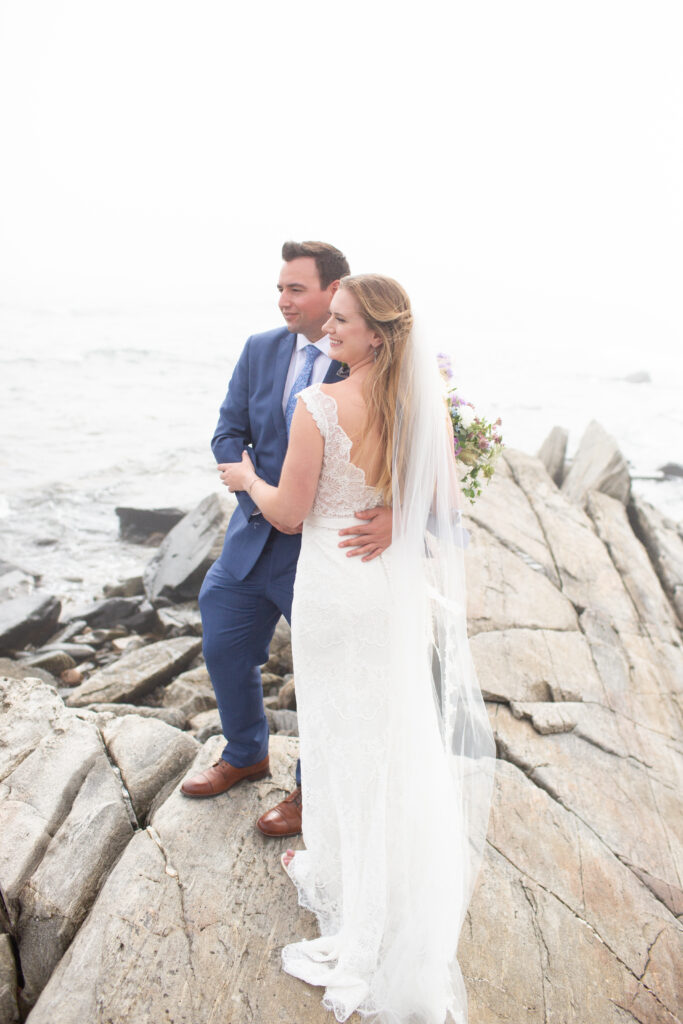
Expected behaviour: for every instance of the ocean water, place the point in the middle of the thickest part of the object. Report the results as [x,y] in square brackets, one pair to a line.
[117,407]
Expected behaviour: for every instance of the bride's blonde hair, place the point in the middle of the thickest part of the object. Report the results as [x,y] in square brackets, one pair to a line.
[385,307]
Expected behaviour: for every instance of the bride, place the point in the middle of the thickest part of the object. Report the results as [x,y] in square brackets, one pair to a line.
[395,742]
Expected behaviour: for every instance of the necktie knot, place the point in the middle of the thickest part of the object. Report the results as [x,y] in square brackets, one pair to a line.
[302,381]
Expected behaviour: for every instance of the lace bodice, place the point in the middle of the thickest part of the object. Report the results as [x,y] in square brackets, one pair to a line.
[342,489]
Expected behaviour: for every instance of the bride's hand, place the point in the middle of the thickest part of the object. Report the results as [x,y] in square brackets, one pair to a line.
[237,476]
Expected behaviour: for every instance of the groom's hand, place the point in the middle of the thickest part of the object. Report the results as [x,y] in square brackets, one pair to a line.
[371,537]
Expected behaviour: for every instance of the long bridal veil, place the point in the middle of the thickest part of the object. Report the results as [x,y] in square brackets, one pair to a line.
[444,753]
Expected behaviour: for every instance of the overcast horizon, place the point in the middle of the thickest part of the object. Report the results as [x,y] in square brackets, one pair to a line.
[517,167]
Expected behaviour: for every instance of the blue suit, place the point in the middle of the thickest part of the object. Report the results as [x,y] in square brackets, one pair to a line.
[247,589]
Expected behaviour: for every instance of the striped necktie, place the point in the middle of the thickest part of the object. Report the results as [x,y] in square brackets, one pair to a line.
[302,381]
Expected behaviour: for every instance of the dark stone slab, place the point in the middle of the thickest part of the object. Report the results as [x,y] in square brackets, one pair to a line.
[133,613]
[29,619]
[177,570]
[137,525]
[22,670]
[671,469]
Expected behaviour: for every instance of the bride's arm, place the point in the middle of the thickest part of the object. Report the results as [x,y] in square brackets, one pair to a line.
[290,502]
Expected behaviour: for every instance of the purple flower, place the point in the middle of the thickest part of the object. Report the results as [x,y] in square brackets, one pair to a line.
[445,365]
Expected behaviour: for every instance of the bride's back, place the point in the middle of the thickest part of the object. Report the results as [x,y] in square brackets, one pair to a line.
[352,415]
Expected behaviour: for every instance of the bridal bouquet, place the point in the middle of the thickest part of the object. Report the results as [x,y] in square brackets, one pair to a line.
[477,442]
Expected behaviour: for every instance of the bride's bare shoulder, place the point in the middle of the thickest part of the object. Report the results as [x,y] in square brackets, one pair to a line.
[335,389]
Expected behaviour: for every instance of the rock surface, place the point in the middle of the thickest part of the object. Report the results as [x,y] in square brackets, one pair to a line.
[665,547]
[552,453]
[178,568]
[171,716]
[149,754]
[63,821]
[129,612]
[137,673]
[597,466]
[190,693]
[21,670]
[576,641]
[280,654]
[9,1007]
[137,525]
[67,813]
[27,619]
[158,945]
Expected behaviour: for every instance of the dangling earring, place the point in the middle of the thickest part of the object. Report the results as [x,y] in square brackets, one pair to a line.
[375,352]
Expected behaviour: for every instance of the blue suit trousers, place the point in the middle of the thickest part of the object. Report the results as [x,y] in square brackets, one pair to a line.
[239,618]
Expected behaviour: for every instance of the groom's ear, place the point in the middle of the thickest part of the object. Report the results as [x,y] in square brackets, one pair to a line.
[333,286]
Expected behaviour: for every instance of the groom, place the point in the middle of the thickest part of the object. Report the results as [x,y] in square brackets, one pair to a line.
[250,586]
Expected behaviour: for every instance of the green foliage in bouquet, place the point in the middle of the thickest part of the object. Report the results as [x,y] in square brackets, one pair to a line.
[477,443]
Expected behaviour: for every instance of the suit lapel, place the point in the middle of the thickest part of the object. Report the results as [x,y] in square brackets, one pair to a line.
[335,373]
[283,357]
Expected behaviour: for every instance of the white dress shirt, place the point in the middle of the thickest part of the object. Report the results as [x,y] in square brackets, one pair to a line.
[320,366]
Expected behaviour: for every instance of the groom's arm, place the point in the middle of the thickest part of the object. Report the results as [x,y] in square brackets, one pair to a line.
[233,432]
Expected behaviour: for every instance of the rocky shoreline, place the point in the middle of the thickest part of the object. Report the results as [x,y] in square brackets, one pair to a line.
[124,901]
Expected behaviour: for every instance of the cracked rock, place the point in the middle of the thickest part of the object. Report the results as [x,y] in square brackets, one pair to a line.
[177,570]
[597,466]
[552,453]
[137,673]
[63,823]
[9,1007]
[192,919]
[149,755]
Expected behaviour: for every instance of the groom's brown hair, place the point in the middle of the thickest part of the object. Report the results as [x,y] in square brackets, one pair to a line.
[330,263]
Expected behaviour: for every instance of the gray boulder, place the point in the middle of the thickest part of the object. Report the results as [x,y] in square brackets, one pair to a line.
[11,669]
[206,724]
[54,662]
[598,465]
[280,652]
[131,613]
[283,721]
[552,453]
[149,755]
[505,592]
[576,645]
[636,568]
[286,698]
[181,619]
[131,587]
[177,570]
[63,821]
[171,716]
[191,920]
[561,929]
[27,619]
[139,525]
[9,1006]
[137,673]
[591,781]
[191,693]
[588,577]
[664,545]
[536,665]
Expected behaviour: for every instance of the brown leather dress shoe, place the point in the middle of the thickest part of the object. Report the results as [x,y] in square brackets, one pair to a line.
[284,819]
[222,776]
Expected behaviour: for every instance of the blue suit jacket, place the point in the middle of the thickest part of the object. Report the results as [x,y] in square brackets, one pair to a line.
[252,415]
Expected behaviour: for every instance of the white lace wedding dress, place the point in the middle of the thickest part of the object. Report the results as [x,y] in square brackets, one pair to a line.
[377,818]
